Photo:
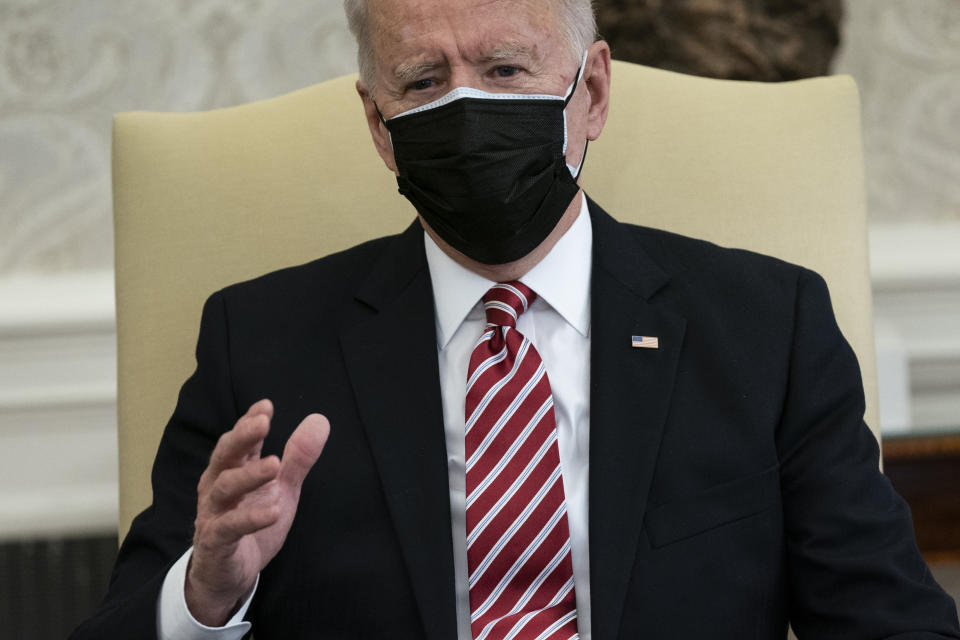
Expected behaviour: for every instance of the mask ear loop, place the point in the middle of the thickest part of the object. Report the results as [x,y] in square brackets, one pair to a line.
[384,121]
[380,115]
[576,81]
[575,172]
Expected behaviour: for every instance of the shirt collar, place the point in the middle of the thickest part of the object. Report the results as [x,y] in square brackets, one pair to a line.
[561,279]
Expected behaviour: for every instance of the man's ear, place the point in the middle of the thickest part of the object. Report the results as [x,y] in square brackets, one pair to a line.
[381,137]
[596,77]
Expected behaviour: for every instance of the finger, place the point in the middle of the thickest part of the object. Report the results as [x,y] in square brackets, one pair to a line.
[264,407]
[245,439]
[303,448]
[261,407]
[236,445]
[233,484]
[236,523]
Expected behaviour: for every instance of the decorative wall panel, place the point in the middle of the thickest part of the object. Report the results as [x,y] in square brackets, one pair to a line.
[905,56]
[67,65]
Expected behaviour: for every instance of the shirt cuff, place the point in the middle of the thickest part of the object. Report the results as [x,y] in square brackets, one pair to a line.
[174,620]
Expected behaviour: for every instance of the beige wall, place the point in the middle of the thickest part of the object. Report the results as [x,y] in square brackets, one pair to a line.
[67,65]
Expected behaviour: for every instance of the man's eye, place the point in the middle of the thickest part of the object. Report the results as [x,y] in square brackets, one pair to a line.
[506,71]
[422,84]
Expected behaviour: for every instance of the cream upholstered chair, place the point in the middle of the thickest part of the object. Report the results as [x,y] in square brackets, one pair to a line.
[205,199]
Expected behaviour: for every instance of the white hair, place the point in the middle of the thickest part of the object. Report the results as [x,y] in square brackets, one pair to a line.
[577,23]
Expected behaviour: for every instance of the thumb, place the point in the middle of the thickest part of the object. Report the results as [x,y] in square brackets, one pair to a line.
[303,448]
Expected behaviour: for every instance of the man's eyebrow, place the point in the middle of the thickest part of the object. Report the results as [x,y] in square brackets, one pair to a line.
[408,72]
[509,51]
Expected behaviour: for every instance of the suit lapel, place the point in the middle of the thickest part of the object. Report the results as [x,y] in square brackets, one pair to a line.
[390,349]
[630,393]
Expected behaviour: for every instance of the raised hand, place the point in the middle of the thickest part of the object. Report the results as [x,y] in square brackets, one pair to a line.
[245,505]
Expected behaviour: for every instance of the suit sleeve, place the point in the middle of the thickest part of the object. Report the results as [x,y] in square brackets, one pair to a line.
[853,564]
[163,532]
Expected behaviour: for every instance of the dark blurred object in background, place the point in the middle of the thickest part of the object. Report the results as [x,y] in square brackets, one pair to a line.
[765,40]
[48,586]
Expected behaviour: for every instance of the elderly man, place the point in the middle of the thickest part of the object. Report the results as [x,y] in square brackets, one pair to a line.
[512,454]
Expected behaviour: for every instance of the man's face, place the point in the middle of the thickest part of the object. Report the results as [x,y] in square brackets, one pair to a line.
[425,48]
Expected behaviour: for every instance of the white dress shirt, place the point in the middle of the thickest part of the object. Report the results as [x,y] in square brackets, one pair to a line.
[558,325]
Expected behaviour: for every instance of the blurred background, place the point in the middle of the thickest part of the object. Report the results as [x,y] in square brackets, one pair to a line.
[67,65]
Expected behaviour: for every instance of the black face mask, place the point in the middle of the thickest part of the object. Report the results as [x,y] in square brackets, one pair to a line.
[487,171]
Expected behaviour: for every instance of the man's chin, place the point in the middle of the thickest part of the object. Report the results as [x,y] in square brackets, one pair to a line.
[515,269]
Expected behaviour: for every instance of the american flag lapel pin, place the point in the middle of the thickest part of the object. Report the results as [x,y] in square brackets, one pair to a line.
[645,342]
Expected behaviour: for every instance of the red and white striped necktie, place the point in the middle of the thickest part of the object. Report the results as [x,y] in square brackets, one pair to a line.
[518,539]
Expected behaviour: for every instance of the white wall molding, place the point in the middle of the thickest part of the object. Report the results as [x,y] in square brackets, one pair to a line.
[915,269]
[58,445]
[915,255]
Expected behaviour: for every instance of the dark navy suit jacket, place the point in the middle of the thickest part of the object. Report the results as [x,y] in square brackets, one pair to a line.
[733,484]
